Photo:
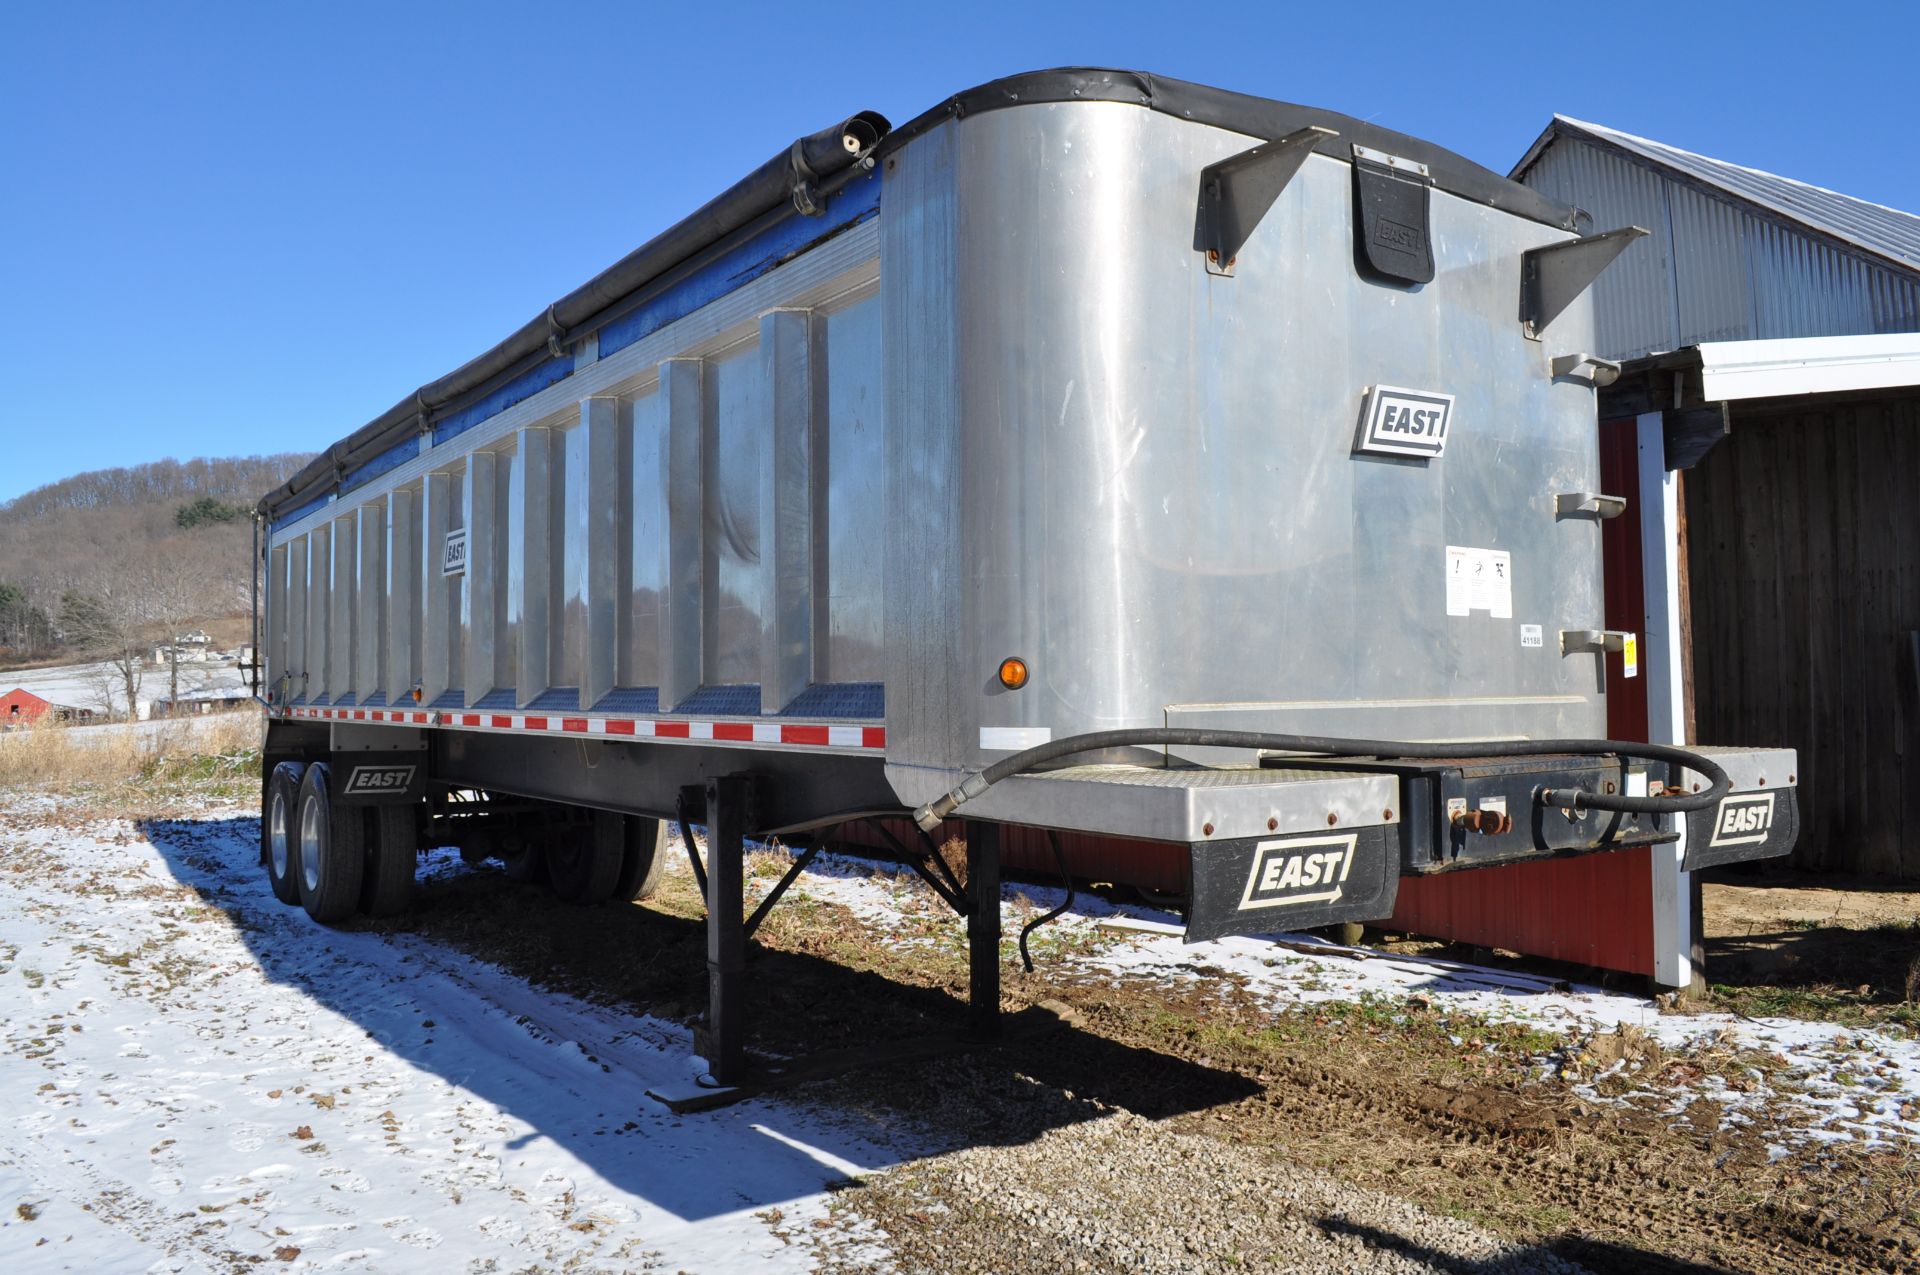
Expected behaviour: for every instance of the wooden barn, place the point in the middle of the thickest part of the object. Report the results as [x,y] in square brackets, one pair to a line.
[20,707]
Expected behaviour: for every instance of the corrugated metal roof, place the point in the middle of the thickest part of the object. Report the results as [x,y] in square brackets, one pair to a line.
[1873,228]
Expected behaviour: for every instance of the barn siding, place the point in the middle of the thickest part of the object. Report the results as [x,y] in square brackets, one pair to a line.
[1714,269]
[1805,584]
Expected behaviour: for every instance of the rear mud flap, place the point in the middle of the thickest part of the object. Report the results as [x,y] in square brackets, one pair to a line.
[1263,884]
[384,778]
[1743,827]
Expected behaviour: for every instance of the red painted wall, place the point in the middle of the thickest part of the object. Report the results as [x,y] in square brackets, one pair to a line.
[29,706]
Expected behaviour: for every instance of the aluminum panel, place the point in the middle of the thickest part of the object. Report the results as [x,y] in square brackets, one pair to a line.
[682,456]
[274,649]
[1162,503]
[851,647]
[404,598]
[734,443]
[531,554]
[596,568]
[569,517]
[646,509]
[313,679]
[440,608]
[930,648]
[370,605]
[787,506]
[489,650]
[289,679]
[344,563]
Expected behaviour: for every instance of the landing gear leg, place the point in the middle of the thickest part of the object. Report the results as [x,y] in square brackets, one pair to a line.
[983,930]
[727,813]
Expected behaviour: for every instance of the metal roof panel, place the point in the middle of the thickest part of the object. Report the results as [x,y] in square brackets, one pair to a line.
[1875,228]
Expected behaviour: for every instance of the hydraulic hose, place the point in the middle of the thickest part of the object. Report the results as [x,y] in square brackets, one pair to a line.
[930,815]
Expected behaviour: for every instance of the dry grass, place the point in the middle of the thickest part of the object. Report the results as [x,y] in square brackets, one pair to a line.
[130,756]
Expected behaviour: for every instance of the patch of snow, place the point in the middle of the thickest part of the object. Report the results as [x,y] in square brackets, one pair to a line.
[1847,1083]
[198,1077]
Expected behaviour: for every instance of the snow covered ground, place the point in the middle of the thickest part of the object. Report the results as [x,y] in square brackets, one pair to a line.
[94,685]
[197,1078]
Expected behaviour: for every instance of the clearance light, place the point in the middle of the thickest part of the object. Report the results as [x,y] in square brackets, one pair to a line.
[1013,672]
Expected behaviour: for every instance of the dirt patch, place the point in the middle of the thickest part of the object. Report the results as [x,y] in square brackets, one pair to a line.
[1797,903]
[1840,950]
[1464,1118]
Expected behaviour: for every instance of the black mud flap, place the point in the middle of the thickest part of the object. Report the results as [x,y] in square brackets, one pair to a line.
[1263,884]
[1391,197]
[1743,827]
[380,778]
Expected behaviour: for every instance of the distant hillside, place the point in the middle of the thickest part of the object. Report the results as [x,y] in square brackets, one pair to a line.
[114,557]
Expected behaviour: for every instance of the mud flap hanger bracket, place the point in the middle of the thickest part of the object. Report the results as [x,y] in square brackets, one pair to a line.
[1236,193]
[1551,278]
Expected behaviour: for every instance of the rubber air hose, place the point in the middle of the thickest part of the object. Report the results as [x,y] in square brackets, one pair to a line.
[930,815]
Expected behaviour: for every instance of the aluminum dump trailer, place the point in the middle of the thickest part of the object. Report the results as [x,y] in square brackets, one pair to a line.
[1097,452]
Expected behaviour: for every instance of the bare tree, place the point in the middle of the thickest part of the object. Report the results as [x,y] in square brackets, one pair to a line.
[107,623]
[176,593]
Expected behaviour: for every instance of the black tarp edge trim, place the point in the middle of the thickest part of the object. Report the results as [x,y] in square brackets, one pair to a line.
[1243,113]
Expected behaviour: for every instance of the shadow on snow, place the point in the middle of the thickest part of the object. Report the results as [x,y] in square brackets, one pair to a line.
[576,1072]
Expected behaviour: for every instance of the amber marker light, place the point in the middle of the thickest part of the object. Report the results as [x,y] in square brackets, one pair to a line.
[1013,672]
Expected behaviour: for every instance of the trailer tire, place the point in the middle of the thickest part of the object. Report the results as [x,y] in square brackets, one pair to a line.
[392,855]
[527,864]
[584,863]
[280,831]
[643,858]
[333,849]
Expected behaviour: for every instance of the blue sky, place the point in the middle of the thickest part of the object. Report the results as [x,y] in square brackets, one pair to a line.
[228,228]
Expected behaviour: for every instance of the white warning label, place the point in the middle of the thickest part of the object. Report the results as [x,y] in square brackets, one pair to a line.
[1479,580]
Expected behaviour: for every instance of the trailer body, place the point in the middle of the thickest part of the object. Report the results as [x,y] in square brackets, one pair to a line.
[1208,411]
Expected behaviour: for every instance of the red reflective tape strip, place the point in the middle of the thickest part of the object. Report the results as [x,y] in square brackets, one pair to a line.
[810,735]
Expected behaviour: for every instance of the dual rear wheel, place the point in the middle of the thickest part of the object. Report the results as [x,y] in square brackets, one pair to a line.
[336,860]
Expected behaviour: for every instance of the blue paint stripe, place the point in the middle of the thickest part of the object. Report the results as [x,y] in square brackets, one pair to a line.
[523,386]
[288,519]
[394,457]
[857,201]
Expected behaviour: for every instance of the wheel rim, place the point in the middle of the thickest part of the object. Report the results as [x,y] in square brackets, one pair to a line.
[310,844]
[277,835]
